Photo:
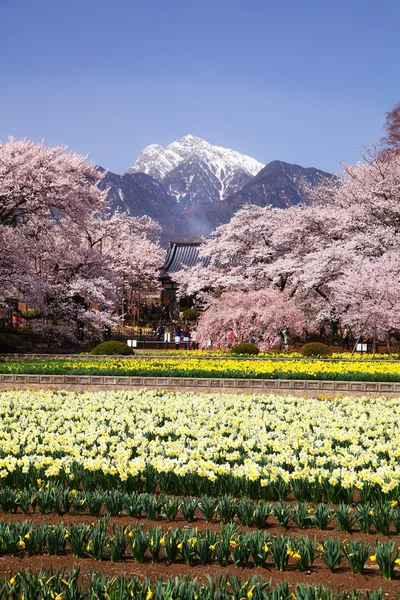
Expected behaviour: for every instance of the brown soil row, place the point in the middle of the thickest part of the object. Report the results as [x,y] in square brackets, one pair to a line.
[200,524]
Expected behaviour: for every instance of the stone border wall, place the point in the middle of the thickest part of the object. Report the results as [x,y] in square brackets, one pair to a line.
[262,385]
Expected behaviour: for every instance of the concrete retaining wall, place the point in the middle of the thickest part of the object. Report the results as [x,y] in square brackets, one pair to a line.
[262,385]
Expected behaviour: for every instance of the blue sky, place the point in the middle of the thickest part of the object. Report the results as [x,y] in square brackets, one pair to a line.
[305,81]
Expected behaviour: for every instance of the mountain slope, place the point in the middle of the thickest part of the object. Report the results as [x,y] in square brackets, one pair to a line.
[140,194]
[280,184]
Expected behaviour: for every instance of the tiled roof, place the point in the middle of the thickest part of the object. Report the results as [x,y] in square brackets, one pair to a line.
[180,254]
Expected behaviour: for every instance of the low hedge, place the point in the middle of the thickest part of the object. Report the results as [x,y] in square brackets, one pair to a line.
[316,349]
[112,348]
[245,348]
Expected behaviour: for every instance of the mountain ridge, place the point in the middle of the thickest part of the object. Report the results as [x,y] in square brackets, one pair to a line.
[200,186]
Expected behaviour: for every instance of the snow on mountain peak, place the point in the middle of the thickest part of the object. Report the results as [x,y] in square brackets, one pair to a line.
[225,167]
[155,160]
[191,139]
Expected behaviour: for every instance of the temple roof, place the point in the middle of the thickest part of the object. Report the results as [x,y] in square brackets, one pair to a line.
[179,255]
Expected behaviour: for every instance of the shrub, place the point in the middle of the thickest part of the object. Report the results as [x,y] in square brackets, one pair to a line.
[190,315]
[245,348]
[316,349]
[112,348]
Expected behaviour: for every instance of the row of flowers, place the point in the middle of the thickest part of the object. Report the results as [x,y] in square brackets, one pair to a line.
[188,443]
[365,356]
[55,498]
[101,542]
[357,370]
[63,584]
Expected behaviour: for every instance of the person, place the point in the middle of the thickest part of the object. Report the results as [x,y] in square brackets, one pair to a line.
[231,339]
[285,337]
[251,339]
[177,338]
[186,338]
[159,332]
[345,338]
[173,309]
[165,310]
[107,333]
[193,336]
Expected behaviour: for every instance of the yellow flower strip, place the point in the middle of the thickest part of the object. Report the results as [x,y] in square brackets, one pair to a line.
[194,367]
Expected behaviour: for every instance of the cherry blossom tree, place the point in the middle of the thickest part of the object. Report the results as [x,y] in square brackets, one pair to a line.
[310,251]
[132,246]
[360,218]
[392,127]
[70,286]
[258,315]
[64,255]
[368,296]
[239,251]
[41,181]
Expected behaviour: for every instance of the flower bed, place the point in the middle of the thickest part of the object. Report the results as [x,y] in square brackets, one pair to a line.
[340,370]
[261,446]
[226,546]
[269,496]
[63,583]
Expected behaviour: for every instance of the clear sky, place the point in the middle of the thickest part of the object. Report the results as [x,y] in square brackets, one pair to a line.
[304,81]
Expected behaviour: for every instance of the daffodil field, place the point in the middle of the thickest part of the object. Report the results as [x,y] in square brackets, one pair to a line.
[272,483]
[359,369]
[261,446]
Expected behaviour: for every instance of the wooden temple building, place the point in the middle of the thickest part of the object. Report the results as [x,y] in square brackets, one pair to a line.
[179,255]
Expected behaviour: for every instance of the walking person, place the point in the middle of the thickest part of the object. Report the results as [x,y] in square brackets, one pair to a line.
[186,338]
[193,337]
[286,338]
[177,338]
[345,338]
[231,339]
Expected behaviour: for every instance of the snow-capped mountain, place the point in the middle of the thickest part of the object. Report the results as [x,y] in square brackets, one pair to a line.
[190,186]
[193,169]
